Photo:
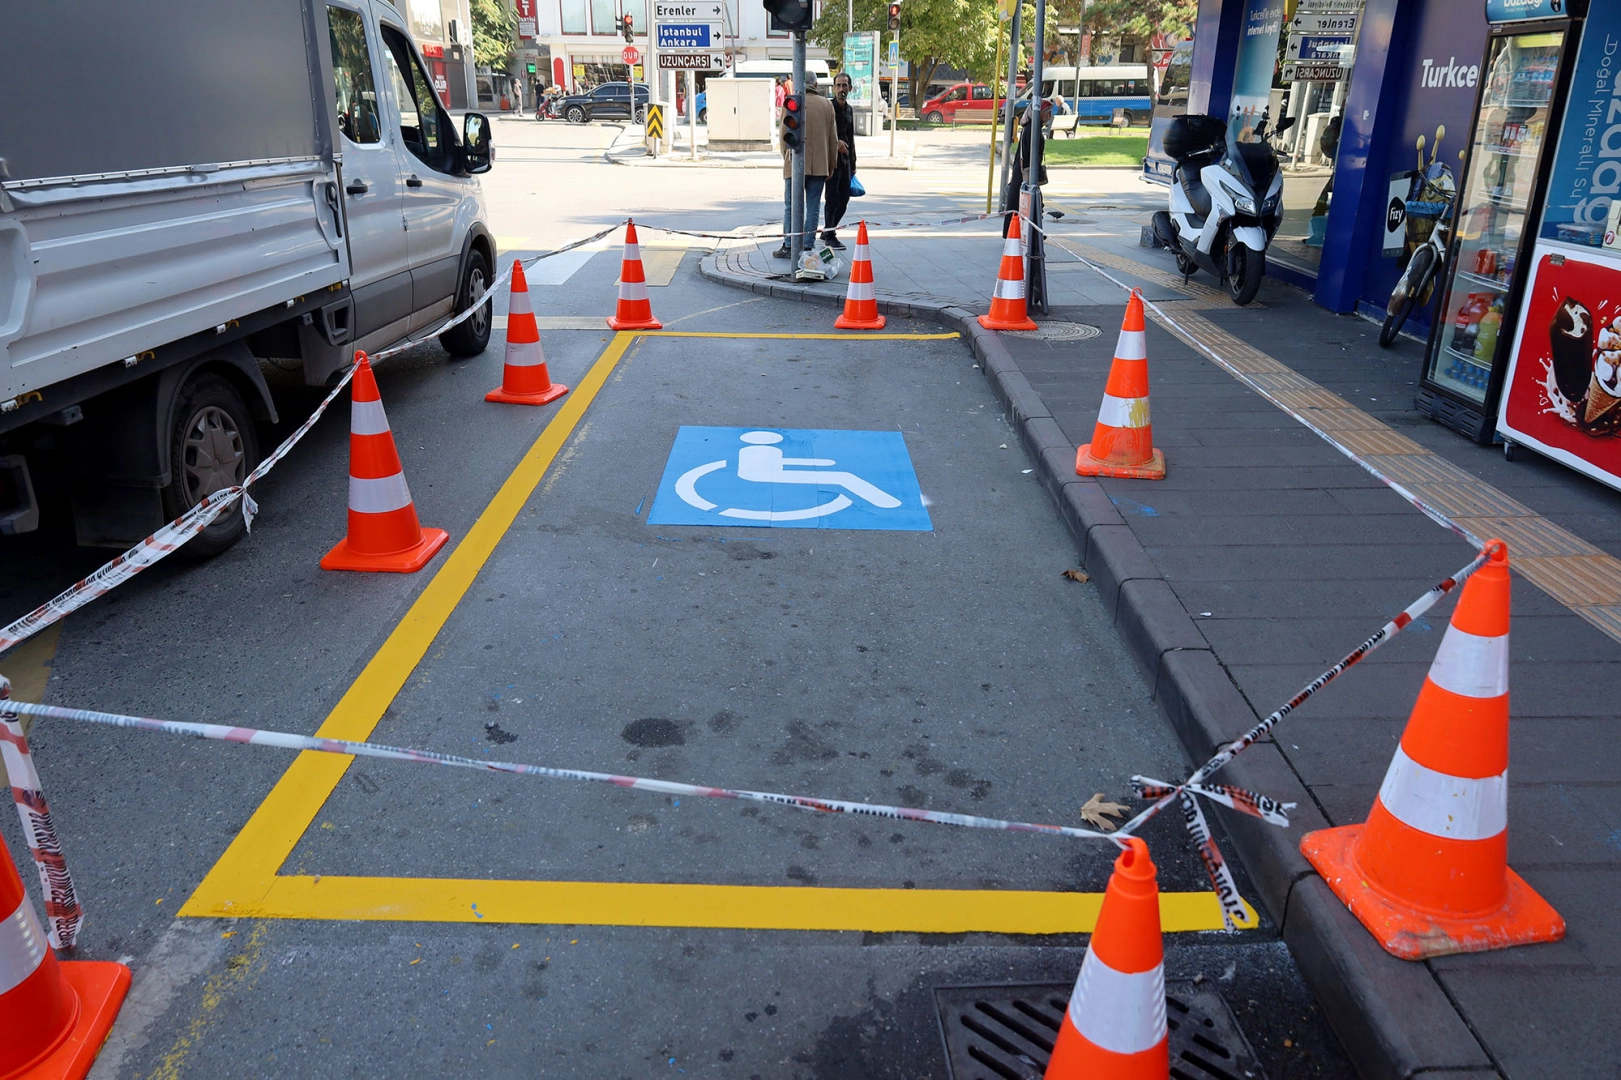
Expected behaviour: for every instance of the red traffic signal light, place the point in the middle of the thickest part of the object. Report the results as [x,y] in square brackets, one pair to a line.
[627,27]
[894,16]
[793,116]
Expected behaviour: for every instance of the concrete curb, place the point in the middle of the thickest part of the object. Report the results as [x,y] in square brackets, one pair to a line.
[1393,1017]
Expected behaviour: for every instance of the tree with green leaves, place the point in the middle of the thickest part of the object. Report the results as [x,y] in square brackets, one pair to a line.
[958,33]
[495,24]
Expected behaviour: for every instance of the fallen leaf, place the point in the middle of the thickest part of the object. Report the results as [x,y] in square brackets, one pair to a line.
[1098,810]
[1077,575]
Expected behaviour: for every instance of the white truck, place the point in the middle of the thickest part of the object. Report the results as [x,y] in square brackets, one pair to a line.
[239,181]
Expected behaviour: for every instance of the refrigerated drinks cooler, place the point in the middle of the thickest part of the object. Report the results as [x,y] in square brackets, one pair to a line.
[1520,98]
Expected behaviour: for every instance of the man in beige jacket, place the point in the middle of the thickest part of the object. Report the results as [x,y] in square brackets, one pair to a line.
[821,158]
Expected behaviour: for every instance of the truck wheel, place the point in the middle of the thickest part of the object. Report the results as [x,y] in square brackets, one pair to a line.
[471,337]
[575,115]
[212,445]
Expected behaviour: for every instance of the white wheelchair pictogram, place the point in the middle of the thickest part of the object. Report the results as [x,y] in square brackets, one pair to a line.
[762,462]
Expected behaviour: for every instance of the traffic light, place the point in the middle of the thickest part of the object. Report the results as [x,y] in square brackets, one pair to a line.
[627,28]
[789,14]
[895,16]
[793,121]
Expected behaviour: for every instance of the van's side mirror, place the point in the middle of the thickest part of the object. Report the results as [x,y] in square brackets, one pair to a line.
[476,149]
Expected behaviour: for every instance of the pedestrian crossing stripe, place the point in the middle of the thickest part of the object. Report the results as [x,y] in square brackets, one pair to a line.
[246,881]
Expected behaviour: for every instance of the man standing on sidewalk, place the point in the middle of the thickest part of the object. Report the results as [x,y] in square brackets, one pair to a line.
[820,132]
[838,184]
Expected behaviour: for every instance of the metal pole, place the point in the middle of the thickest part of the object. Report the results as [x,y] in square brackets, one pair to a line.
[990,169]
[850,17]
[796,204]
[1035,269]
[894,97]
[1015,44]
[692,112]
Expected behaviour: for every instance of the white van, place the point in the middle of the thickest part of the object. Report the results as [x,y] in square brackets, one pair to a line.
[155,248]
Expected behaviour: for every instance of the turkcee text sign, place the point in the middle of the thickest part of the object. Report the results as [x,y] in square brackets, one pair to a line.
[688,36]
[691,61]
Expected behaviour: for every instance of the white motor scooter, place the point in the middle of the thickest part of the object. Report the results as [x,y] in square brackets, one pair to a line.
[1219,219]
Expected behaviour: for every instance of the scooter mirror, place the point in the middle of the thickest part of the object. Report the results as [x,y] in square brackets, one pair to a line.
[1284,125]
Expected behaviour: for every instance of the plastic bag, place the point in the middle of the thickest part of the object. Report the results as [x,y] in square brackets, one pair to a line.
[856,190]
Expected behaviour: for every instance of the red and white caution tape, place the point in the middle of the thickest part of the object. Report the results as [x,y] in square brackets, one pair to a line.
[63,915]
[1247,801]
[287,741]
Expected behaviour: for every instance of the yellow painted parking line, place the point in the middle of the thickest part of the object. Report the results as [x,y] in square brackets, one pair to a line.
[734,907]
[246,880]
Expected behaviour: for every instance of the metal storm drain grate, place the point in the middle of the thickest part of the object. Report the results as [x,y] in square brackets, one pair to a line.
[1058,331]
[1007,1032]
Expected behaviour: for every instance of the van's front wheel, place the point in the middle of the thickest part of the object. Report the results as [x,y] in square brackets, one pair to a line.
[471,336]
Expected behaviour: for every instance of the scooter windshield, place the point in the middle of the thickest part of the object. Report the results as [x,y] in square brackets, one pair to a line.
[1255,163]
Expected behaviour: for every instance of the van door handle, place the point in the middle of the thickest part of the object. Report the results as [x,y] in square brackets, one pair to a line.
[356,187]
[413,181]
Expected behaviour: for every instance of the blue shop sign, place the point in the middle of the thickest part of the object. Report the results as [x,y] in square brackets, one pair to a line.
[1520,10]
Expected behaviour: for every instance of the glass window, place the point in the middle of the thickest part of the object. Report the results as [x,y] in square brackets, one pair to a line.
[637,10]
[352,77]
[958,93]
[982,93]
[1087,88]
[604,19]
[419,107]
[1173,86]
[573,21]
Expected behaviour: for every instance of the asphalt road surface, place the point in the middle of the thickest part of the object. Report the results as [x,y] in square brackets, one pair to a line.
[392,919]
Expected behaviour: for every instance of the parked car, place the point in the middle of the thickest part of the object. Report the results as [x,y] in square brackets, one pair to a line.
[610,101]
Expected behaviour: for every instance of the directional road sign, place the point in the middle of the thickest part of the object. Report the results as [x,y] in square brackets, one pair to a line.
[705,11]
[1313,72]
[1318,50]
[689,36]
[790,478]
[692,61]
[1320,22]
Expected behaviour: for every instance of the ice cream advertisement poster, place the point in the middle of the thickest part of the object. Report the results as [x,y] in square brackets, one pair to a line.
[1563,394]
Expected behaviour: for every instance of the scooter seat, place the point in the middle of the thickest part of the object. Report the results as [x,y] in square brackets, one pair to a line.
[1194,189]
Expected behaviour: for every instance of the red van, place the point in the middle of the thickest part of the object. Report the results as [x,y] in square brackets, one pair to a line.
[965,97]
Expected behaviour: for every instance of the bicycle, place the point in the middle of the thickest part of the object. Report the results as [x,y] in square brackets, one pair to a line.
[1434,191]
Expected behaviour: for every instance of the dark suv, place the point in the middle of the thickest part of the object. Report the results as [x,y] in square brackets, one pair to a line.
[608,101]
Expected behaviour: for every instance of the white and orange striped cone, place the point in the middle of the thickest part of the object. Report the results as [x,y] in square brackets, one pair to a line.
[524,378]
[1114,1028]
[634,311]
[1123,440]
[1007,302]
[860,301]
[384,533]
[1428,873]
[54,1015]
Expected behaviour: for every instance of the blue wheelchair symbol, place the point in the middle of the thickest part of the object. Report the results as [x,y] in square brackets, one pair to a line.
[786,478]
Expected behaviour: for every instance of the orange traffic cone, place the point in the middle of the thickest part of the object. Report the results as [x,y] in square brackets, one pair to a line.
[1114,1028]
[384,533]
[1428,873]
[860,302]
[1007,302]
[635,311]
[1123,440]
[54,1015]
[524,378]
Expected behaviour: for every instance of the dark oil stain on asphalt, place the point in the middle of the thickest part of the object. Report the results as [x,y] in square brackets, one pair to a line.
[493,732]
[653,731]
[367,784]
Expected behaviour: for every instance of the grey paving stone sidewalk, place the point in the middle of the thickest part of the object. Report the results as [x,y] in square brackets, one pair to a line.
[1280,554]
